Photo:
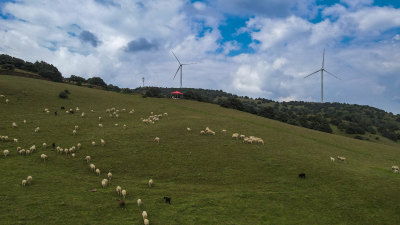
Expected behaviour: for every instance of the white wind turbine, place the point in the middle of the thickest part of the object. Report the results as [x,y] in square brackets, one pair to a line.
[180,67]
[322,76]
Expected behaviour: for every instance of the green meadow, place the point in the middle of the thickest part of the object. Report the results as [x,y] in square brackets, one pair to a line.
[210,179]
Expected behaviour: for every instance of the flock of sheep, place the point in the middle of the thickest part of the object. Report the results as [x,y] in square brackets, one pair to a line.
[113,112]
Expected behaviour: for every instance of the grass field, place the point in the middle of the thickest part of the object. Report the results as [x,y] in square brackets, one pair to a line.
[211,179]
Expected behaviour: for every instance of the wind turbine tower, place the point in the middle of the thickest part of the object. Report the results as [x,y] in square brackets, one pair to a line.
[143,81]
[322,76]
[180,68]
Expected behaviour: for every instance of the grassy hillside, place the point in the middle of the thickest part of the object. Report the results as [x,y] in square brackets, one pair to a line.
[211,179]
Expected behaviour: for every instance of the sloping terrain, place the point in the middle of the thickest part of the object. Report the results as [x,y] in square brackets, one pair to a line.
[210,179]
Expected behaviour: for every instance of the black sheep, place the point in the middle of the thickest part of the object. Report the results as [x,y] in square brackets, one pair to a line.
[62,107]
[302,175]
[53,145]
[55,113]
[167,200]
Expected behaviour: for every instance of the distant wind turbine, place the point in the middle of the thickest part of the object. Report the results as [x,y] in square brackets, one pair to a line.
[143,81]
[180,67]
[322,76]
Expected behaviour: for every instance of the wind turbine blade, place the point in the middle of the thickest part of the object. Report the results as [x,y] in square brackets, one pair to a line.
[189,63]
[312,73]
[176,72]
[323,59]
[176,58]
[332,74]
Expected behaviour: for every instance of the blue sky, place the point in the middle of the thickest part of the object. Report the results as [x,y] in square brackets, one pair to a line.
[258,48]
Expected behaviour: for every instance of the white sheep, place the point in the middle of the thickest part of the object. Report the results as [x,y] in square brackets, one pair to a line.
[14,125]
[102,142]
[146,222]
[6,152]
[125,126]
[29,180]
[43,156]
[44,145]
[83,114]
[73,155]
[341,158]
[188,129]
[23,183]
[118,190]
[87,158]
[37,129]
[24,121]
[76,127]
[77,109]
[332,159]
[109,175]
[157,139]
[235,135]
[123,192]
[144,215]
[104,183]
[79,146]
[202,132]
[22,151]
[99,118]
[93,143]
[139,202]
[28,152]
[150,182]
[2,96]
[15,140]
[100,125]
[116,124]
[92,167]
[98,172]
[7,101]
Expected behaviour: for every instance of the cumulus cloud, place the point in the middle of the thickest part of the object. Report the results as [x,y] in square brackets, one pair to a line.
[89,37]
[141,44]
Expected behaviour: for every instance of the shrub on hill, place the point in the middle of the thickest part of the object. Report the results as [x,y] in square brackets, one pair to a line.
[63,94]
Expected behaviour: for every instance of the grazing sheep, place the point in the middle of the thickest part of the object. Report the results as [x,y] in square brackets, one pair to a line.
[146,222]
[15,140]
[14,125]
[139,202]
[235,135]
[302,175]
[7,101]
[118,190]
[53,145]
[23,183]
[165,114]
[144,215]
[92,167]
[116,124]
[87,158]
[93,143]
[79,146]
[150,182]
[341,158]
[73,155]
[2,96]
[83,114]
[125,126]
[123,192]
[332,159]
[104,183]
[202,132]
[24,121]
[29,180]
[6,152]
[99,118]
[28,152]
[37,129]
[44,157]
[242,136]
[122,203]
[98,172]
[223,131]
[157,139]
[188,129]
[44,145]
[395,168]
[109,175]
[21,152]
[55,113]
[167,200]
[76,127]
[102,142]
[100,125]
